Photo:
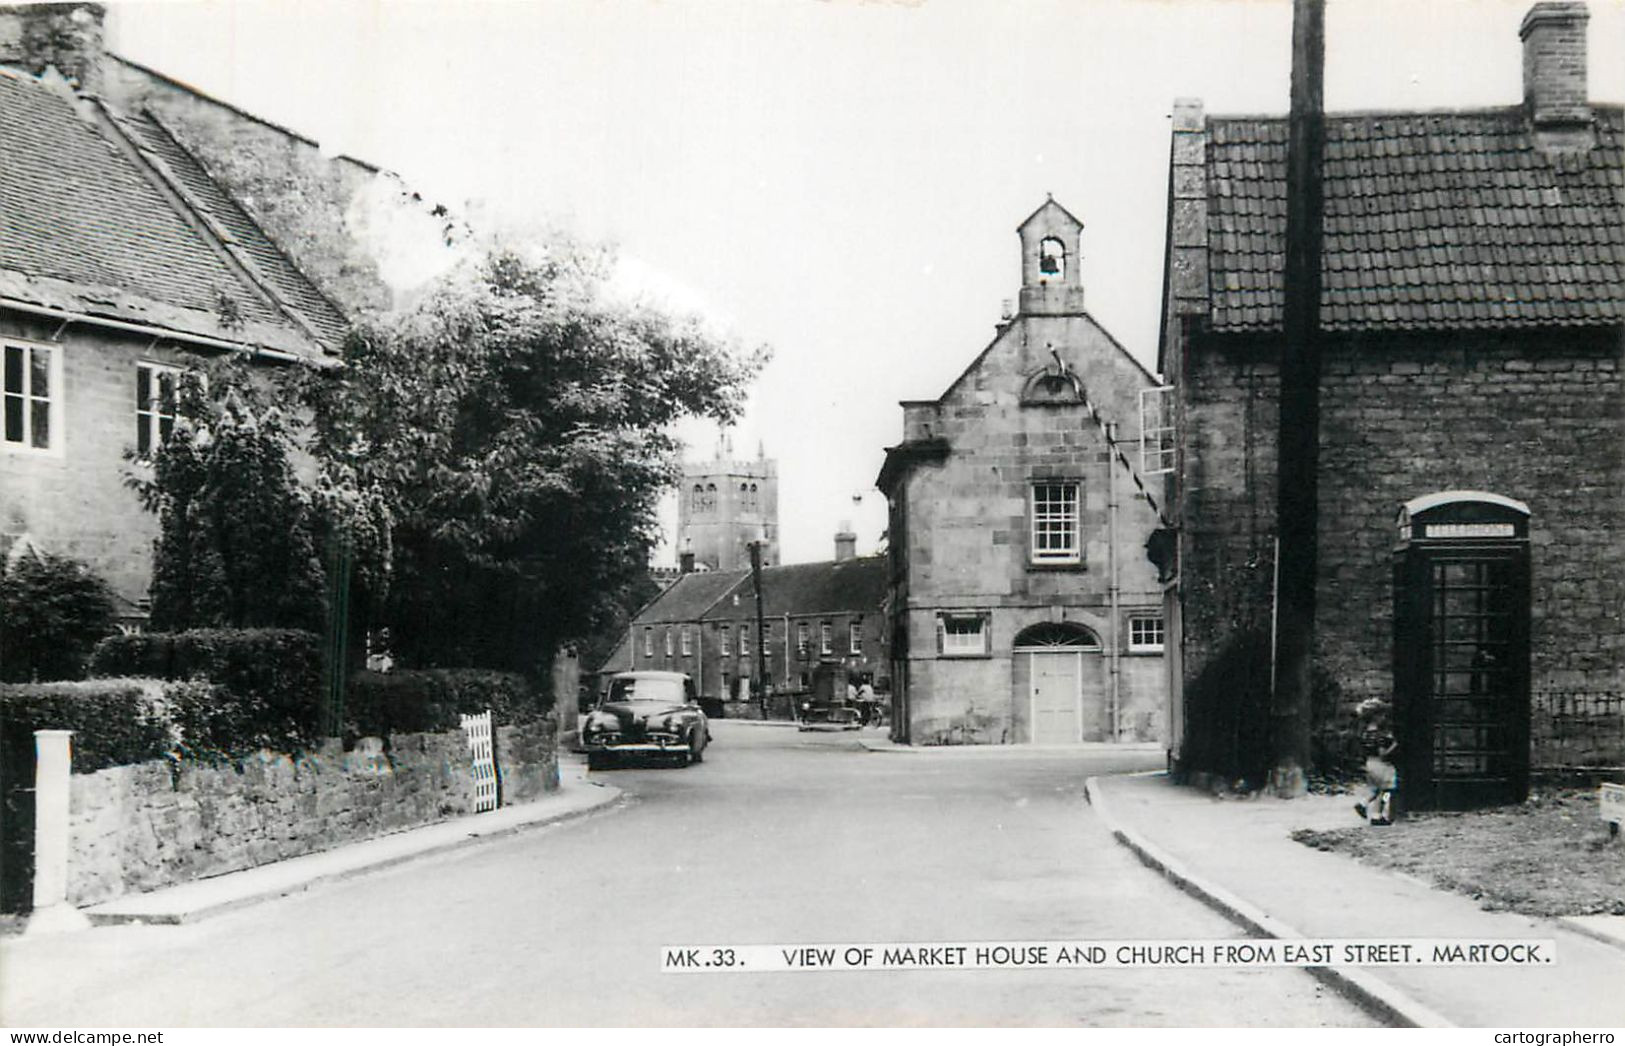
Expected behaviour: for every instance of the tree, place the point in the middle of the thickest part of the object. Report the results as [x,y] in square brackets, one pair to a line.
[239,535]
[517,424]
[52,612]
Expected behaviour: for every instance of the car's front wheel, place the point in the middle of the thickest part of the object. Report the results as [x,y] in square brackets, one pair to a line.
[696,748]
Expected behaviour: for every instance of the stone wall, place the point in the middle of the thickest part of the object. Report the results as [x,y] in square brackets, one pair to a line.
[360,234]
[967,534]
[139,828]
[72,499]
[1538,417]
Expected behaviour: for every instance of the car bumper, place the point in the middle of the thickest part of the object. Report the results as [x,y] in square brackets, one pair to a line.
[664,745]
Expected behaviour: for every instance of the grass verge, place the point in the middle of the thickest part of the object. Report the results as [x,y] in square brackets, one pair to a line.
[1550,857]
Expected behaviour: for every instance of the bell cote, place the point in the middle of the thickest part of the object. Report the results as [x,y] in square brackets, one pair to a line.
[1051,245]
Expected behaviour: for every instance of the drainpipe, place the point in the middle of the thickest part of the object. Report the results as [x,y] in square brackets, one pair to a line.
[787,651]
[1114,662]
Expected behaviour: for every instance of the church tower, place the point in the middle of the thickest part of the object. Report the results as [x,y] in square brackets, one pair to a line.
[723,505]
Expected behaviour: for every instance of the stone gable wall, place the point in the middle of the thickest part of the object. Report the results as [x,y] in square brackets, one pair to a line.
[966,542]
[140,828]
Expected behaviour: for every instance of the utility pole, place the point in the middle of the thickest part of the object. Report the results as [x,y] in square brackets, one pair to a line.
[1298,443]
[761,623]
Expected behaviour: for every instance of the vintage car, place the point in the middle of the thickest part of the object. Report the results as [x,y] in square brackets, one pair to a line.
[646,713]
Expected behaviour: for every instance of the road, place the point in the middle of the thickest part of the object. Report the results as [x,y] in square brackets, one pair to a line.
[779,837]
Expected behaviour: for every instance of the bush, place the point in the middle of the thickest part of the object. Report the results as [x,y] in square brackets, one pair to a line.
[232,512]
[266,683]
[115,721]
[380,704]
[52,612]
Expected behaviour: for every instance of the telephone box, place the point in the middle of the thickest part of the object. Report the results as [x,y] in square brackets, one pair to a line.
[1461,650]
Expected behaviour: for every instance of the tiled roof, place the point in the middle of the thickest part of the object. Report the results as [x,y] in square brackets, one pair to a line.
[689,596]
[797,589]
[1432,220]
[237,229]
[84,228]
[830,587]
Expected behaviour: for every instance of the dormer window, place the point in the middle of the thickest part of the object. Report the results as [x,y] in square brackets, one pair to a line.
[1052,258]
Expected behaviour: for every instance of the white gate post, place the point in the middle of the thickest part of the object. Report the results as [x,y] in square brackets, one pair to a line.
[52,770]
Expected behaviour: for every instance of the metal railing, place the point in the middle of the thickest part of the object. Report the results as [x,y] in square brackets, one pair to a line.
[1576,728]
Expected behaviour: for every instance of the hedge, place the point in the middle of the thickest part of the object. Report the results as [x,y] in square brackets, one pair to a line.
[378,704]
[266,682]
[115,721]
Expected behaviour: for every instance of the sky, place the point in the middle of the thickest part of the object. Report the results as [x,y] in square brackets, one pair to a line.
[838,179]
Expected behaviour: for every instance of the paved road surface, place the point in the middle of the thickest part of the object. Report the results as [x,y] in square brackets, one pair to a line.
[779,837]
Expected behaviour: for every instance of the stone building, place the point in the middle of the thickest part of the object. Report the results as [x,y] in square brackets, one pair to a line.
[725,504]
[1023,608]
[706,624]
[145,226]
[1473,291]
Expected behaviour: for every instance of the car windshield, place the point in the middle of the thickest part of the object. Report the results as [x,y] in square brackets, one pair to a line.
[669,691]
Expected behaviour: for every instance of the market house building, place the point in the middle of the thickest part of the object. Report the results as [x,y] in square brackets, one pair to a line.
[1023,608]
[1471,404]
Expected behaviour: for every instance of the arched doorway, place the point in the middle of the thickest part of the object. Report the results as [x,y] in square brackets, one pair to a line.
[1056,680]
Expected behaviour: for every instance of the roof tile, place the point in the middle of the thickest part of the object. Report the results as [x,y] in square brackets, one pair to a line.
[1432,219]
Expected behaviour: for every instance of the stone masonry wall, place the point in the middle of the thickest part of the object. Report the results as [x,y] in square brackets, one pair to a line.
[72,499]
[139,828]
[968,529]
[1538,417]
[358,233]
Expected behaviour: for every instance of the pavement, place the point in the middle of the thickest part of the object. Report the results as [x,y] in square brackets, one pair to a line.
[1237,856]
[885,744]
[201,898]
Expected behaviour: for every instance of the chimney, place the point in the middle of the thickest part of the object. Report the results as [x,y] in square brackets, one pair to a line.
[846,543]
[1554,65]
[685,558]
[67,37]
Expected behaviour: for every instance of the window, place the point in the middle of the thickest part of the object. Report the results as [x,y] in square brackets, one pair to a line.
[1157,430]
[696,502]
[962,635]
[1145,635]
[854,637]
[156,388]
[26,397]
[826,638]
[668,643]
[725,647]
[1055,523]
[752,500]
[744,641]
[801,639]
[710,501]
[648,642]
[688,643]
